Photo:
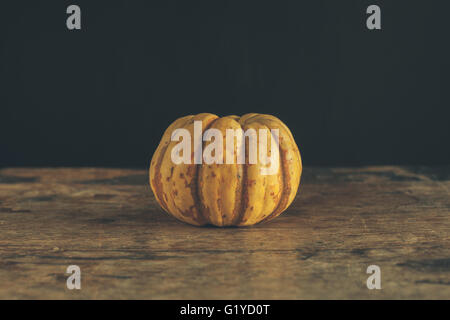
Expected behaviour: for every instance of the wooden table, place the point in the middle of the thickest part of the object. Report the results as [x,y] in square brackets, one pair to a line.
[107,222]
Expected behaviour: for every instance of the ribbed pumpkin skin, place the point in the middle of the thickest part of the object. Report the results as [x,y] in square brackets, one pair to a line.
[225,194]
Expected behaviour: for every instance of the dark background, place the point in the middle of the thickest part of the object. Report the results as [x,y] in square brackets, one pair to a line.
[102,96]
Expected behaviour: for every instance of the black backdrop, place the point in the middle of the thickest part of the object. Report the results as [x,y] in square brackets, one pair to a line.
[103,95]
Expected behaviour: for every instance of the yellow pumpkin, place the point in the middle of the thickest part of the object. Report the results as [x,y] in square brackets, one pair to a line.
[225,194]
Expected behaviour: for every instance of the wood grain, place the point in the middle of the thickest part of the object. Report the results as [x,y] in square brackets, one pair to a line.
[107,222]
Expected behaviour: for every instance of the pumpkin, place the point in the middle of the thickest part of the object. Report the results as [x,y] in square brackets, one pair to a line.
[224,194]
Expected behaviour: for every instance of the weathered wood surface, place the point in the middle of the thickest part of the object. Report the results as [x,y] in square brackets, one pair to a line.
[107,222]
